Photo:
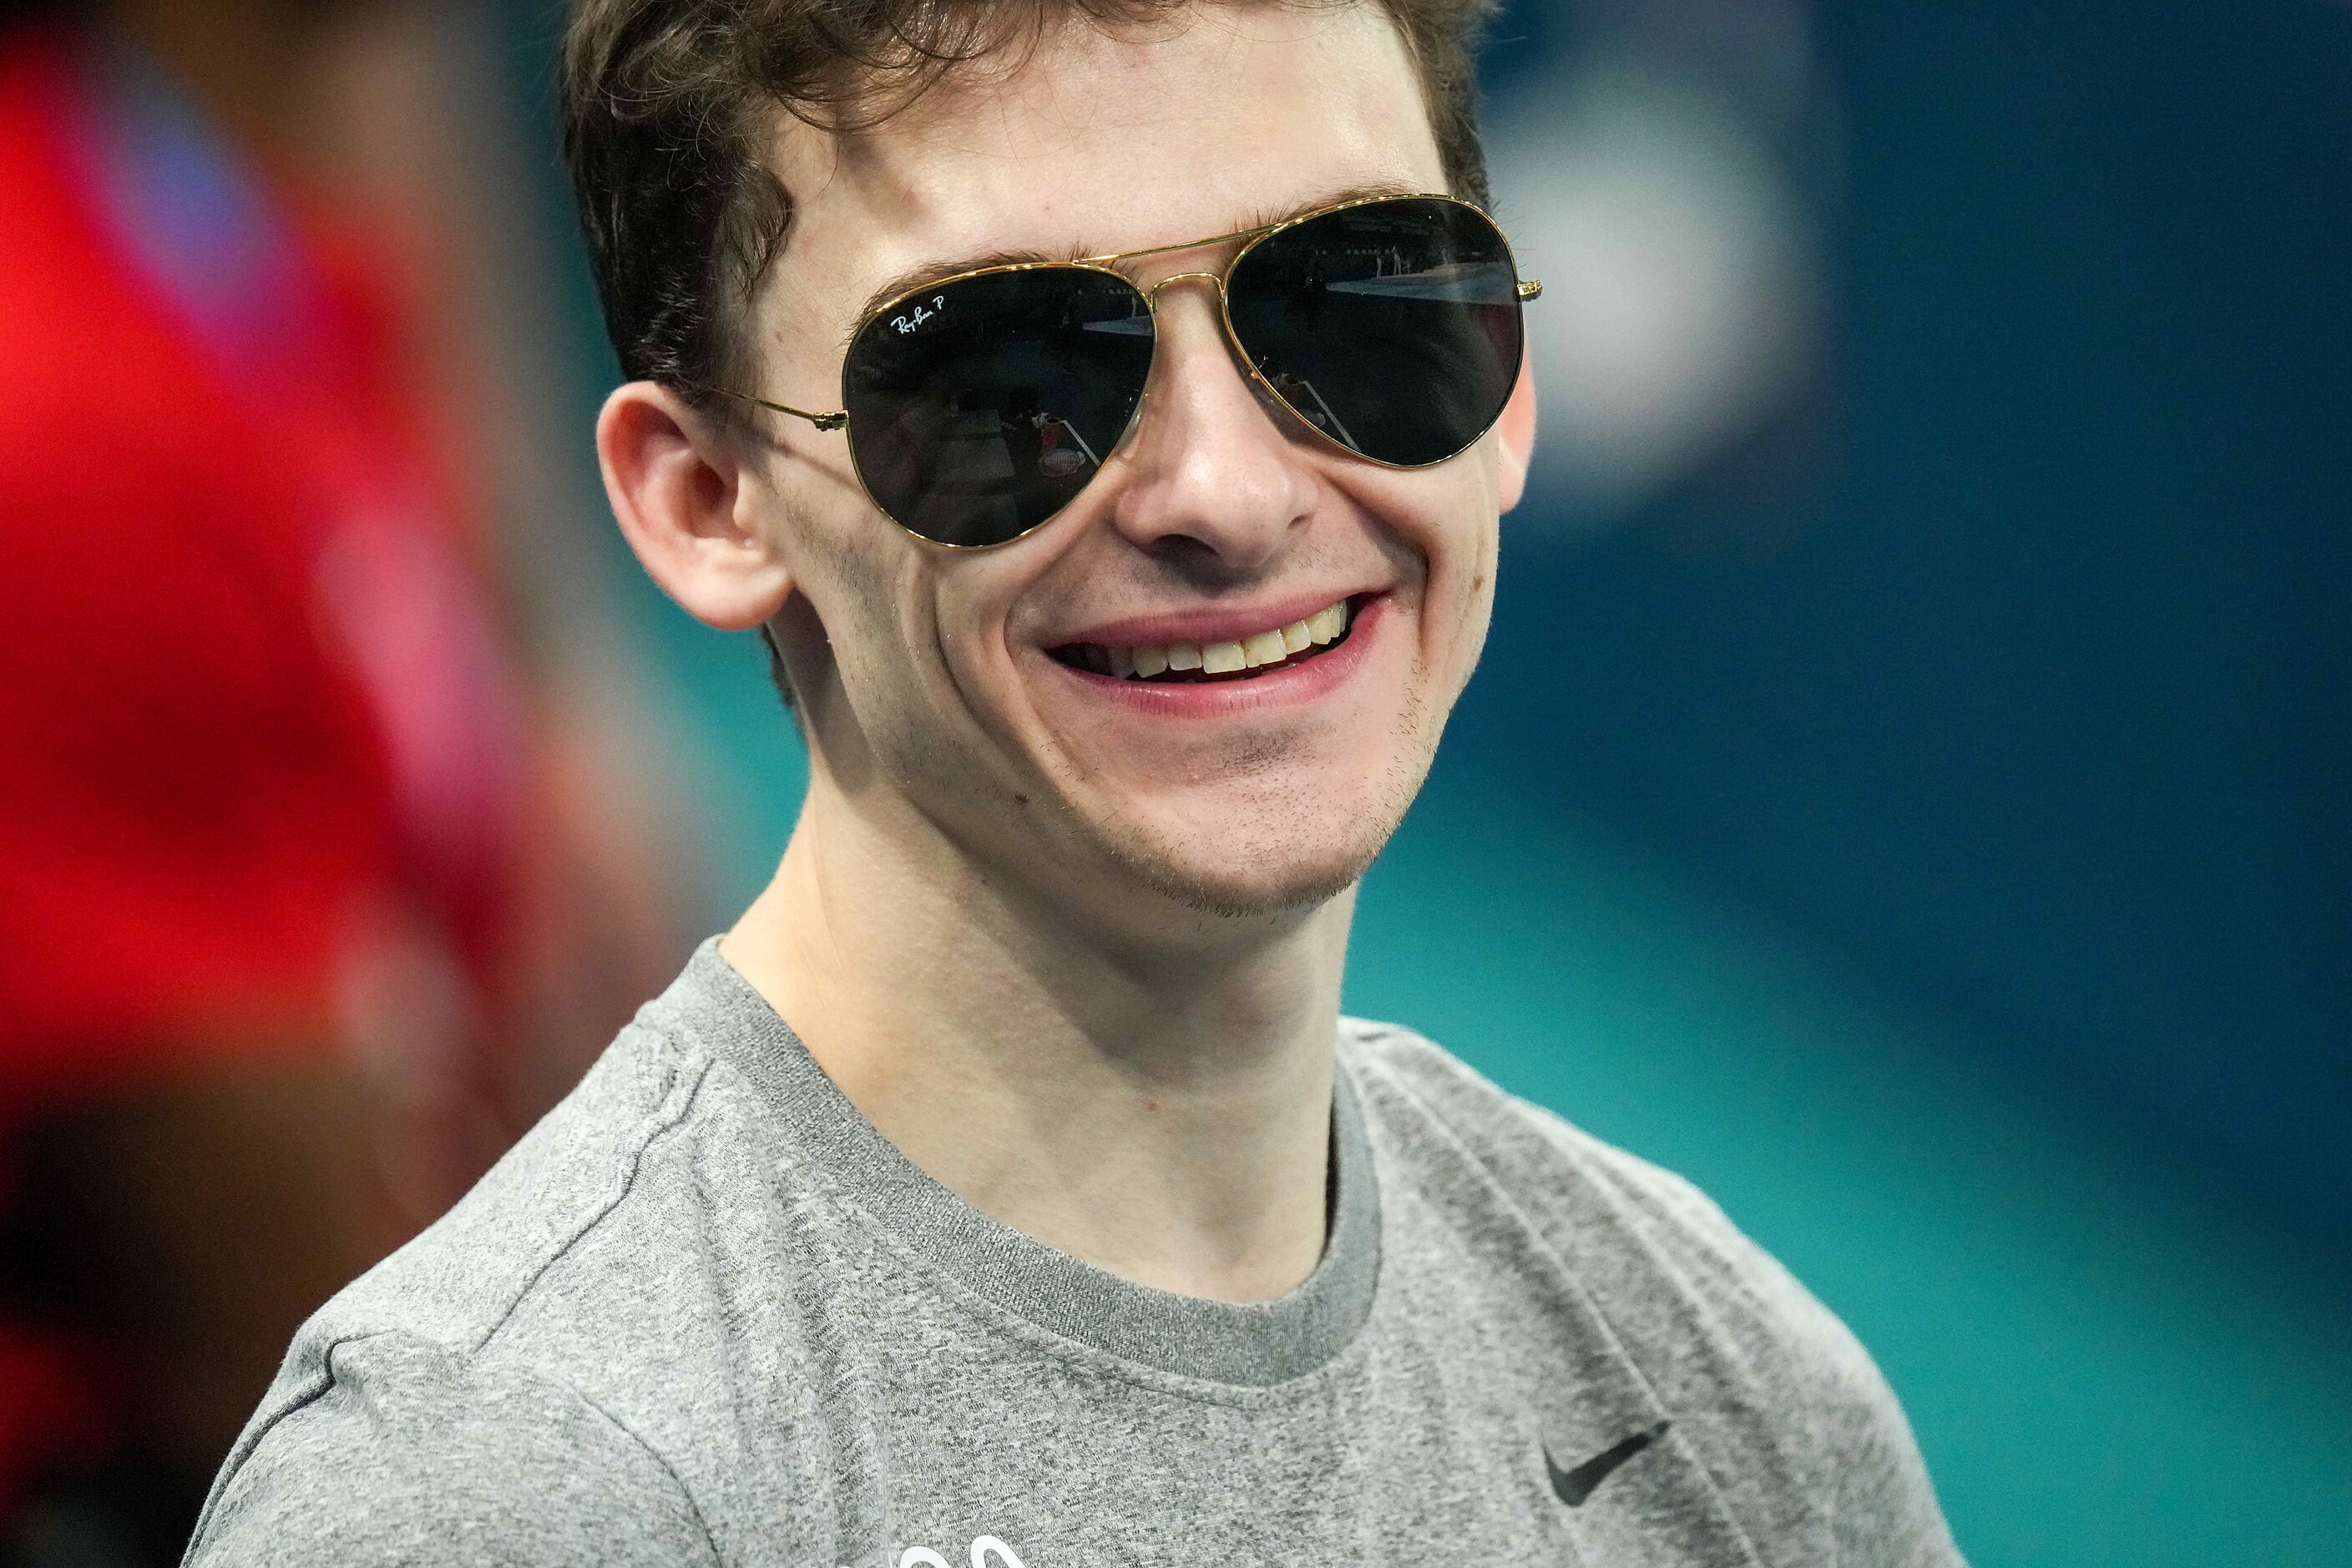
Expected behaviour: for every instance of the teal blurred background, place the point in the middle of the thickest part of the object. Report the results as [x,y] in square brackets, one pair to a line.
[1905,788]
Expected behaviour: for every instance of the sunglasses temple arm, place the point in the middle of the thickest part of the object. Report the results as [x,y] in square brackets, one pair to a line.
[821,421]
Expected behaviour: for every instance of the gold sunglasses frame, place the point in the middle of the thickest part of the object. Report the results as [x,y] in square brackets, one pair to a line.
[1525,289]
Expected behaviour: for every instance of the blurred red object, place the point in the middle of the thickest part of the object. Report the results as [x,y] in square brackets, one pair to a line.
[262,779]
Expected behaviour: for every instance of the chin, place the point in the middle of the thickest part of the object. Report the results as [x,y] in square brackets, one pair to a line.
[1249,892]
[1247,858]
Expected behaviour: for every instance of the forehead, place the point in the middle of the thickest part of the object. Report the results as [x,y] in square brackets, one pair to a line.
[1105,142]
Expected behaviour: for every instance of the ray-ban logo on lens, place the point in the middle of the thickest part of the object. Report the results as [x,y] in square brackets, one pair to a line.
[919,314]
[1573,1487]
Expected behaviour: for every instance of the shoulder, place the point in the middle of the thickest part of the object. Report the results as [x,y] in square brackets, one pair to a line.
[536,1225]
[395,1450]
[1754,1368]
[1636,1235]
[1453,1126]
[453,1392]
[1428,1099]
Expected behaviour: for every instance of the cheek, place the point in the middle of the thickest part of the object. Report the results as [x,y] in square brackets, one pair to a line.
[1458,536]
[852,581]
[936,675]
[1439,526]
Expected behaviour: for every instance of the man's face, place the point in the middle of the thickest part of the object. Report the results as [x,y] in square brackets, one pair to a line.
[949,690]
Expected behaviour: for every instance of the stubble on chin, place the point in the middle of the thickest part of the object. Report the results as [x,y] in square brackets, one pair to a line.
[1278,859]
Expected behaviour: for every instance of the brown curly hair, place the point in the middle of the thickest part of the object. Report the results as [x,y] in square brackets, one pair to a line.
[665,105]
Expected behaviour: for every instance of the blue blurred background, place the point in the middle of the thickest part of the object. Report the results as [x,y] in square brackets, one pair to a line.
[1905,787]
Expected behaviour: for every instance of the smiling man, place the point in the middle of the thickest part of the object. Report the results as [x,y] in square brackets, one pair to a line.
[1004,1187]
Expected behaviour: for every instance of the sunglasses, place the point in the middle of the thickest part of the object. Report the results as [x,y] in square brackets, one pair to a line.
[979,405]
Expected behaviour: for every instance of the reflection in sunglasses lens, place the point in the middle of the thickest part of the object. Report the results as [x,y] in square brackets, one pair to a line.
[1393,328]
[979,409]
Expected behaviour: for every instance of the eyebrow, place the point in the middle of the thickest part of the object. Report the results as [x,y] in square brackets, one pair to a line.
[941,269]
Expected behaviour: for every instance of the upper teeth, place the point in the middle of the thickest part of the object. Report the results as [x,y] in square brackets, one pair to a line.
[1269,646]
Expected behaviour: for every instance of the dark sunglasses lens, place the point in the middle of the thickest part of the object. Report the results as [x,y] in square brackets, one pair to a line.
[1392,328]
[979,409]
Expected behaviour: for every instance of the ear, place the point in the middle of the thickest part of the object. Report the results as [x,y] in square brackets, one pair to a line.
[1515,431]
[675,479]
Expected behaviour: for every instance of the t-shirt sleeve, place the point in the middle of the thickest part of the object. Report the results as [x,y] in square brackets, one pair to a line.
[1882,1508]
[1803,1440]
[403,1453]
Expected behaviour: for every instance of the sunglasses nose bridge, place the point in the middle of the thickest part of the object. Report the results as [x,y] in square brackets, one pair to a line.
[1216,280]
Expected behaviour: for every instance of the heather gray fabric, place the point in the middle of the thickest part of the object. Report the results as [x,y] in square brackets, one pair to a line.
[705,1314]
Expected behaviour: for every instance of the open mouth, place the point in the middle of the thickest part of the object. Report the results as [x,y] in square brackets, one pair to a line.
[1187,663]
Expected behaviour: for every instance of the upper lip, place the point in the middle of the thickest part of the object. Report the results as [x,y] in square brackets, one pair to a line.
[1223,623]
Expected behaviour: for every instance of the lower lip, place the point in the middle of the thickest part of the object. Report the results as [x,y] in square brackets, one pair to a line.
[1286,685]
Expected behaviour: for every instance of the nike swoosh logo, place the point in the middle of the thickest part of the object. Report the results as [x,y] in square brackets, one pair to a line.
[1574,1486]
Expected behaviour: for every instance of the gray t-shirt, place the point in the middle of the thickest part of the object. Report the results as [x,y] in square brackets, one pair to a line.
[704,1313]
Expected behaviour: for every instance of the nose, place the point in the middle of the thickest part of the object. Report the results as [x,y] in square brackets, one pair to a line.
[1213,484]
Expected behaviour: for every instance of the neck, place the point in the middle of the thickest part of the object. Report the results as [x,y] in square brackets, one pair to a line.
[1158,1108]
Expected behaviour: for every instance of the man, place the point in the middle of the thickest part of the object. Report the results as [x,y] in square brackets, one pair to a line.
[1004,1188]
